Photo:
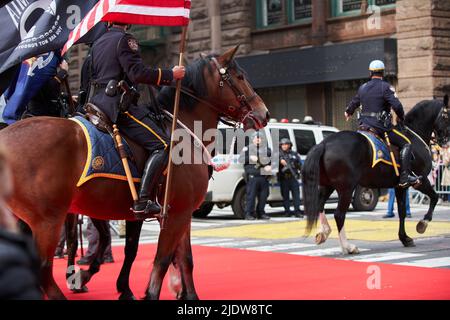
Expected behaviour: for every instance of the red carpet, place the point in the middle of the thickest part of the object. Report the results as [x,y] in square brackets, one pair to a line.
[233,274]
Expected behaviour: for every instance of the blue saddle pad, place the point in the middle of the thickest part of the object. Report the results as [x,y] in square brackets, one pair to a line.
[103,160]
[380,150]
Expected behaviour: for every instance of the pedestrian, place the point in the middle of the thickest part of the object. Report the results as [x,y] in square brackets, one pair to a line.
[93,242]
[256,160]
[390,210]
[445,183]
[19,261]
[288,175]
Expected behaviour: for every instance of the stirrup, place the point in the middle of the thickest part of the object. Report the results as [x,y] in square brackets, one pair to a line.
[146,212]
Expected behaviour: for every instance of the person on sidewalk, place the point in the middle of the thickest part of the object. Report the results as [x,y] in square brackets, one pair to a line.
[390,212]
[93,240]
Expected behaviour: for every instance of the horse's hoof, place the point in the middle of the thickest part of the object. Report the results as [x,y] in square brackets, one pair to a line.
[127,296]
[321,237]
[422,226]
[408,243]
[83,289]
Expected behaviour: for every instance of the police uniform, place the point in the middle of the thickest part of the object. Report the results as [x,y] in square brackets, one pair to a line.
[377,97]
[287,175]
[115,56]
[47,102]
[257,182]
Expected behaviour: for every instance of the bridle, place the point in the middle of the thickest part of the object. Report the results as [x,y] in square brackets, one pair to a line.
[245,109]
[444,115]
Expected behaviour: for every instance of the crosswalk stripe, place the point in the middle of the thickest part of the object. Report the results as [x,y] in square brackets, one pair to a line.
[322,252]
[428,263]
[385,256]
[200,241]
[282,246]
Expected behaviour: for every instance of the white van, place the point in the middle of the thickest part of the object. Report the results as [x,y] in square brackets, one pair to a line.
[227,187]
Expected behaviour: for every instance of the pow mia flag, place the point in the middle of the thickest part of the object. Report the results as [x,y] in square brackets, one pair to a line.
[32,27]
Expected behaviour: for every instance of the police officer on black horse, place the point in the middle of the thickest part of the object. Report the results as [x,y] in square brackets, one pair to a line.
[377,97]
[115,56]
[288,175]
[256,160]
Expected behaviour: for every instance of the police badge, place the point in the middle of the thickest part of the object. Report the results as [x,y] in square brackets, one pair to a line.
[98,163]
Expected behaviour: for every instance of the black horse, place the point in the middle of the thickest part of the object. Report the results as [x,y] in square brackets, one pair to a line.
[344,160]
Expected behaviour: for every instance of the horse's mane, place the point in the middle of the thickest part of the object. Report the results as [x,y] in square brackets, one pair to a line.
[422,110]
[194,80]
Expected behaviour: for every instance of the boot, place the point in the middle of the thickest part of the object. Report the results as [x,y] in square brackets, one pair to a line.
[406,178]
[145,207]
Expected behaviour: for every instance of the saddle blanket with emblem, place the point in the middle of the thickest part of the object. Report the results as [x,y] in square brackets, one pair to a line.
[380,150]
[103,160]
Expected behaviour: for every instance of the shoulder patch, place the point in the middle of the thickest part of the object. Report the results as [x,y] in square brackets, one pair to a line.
[133,44]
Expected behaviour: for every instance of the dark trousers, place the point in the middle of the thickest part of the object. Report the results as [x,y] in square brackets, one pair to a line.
[290,185]
[93,239]
[143,131]
[257,188]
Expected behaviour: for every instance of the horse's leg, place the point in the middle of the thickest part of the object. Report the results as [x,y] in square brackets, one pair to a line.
[169,238]
[428,190]
[324,229]
[104,238]
[345,197]
[72,247]
[184,262]
[133,231]
[46,241]
[400,195]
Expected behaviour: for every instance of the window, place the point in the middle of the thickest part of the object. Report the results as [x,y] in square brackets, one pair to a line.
[270,13]
[305,141]
[353,7]
[277,135]
[300,10]
[326,134]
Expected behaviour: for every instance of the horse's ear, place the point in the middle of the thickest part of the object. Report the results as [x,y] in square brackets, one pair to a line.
[446,100]
[228,56]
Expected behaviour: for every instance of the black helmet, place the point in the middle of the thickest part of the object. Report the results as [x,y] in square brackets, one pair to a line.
[285,141]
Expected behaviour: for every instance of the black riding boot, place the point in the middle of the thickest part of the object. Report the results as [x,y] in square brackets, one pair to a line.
[406,178]
[154,167]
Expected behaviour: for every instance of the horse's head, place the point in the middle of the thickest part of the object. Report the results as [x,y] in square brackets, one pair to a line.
[232,94]
[441,126]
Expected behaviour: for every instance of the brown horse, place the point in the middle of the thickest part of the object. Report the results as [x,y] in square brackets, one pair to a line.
[49,155]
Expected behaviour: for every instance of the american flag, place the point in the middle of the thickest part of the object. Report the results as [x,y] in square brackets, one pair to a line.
[143,12]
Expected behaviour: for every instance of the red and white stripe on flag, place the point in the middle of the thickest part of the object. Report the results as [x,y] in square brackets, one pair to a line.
[143,12]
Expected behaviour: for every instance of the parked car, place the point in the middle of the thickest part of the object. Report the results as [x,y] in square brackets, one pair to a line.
[227,187]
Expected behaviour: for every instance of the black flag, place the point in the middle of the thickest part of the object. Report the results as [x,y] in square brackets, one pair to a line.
[32,27]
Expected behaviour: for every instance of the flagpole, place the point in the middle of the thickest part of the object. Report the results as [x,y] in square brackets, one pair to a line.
[174,125]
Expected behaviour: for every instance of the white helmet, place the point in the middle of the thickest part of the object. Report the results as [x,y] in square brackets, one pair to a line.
[376,66]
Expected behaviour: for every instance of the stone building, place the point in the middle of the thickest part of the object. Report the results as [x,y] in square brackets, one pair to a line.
[308,57]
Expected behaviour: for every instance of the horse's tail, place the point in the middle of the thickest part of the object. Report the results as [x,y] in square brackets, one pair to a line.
[310,179]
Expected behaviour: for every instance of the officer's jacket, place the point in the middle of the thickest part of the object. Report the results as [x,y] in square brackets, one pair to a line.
[376,96]
[294,161]
[115,56]
[254,168]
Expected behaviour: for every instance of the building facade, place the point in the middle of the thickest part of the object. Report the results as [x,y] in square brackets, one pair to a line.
[308,57]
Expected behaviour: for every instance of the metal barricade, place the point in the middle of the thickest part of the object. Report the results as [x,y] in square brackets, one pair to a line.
[438,186]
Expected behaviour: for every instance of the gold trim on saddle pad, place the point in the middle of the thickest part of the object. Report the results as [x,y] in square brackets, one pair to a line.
[84,177]
[375,161]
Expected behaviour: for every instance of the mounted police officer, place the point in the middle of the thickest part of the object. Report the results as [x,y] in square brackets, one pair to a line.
[256,160]
[377,97]
[288,175]
[115,56]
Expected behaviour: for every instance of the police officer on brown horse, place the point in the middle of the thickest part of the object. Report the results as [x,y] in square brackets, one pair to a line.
[115,56]
[377,97]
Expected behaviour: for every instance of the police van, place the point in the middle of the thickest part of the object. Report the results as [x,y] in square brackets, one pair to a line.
[227,187]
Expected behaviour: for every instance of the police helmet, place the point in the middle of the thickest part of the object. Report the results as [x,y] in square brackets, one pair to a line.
[285,141]
[376,66]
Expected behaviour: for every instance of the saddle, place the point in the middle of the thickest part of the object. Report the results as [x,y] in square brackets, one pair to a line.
[98,118]
[102,122]
[380,150]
